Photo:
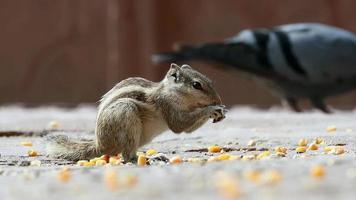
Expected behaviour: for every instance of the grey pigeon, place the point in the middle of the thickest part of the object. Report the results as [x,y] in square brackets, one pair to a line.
[303,60]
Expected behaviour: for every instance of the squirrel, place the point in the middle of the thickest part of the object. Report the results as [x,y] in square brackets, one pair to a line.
[136,110]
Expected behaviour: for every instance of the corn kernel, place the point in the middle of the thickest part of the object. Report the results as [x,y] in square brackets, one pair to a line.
[327,149]
[105,157]
[195,160]
[141,160]
[213,159]
[318,140]
[263,155]
[251,143]
[273,177]
[54,124]
[32,153]
[151,152]
[89,164]
[248,157]
[280,154]
[337,150]
[130,180]
[300,149]
[302,142]
[81,162]
[227,186]
[35,163]
[110,180]
[114,161]
[252,175]
[331,128]
[26,143]
[100,163]
[280,150]
[317,171]
[64,175]
[223,156]
[233,157]
[176,160]
[313,147]
[214,149]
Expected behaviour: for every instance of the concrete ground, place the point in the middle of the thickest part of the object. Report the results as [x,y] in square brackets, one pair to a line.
[210,180]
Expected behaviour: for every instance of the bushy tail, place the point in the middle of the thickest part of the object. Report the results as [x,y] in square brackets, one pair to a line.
[61,146]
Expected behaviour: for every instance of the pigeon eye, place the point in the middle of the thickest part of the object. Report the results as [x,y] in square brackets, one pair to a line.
[197,85]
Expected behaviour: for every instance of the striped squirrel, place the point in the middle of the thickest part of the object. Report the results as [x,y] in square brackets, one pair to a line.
[136,110]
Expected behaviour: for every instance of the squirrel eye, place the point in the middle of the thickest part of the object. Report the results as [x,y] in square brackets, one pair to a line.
[197,85]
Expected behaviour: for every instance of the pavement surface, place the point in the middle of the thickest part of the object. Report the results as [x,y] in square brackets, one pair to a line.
[277,177]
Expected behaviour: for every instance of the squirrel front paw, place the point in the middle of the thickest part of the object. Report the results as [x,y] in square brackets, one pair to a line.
[218,113]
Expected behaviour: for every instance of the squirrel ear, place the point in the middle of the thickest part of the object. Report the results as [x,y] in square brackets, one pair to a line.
[186,66]
[174,72]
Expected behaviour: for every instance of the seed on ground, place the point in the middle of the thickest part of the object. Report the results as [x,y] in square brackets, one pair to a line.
[26,143]
[337,150]
[318,140]
[263,155]
[32,153]
[115,160]
[251,143]
[272,177]
[100,163]
[54,124]
[195,160]
[302,142]
[313,147]
[176,160]
[110,180]
[141,160]
[64,175]
[331,128]
[227,186]
[151,152]
[300,149]
[214,149]
[317,171]
[35,163]
[280,149]
[248,157]
[252,175]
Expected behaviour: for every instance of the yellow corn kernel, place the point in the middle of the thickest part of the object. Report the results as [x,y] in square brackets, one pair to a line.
[234,157]
[252,175]
[263,155]
[224,156]
[273,177]
[64,175]
[214,149]
[110,180]
[54,124]
[318,140]
[141,160]
[300,149]
[227,186]
[302,142]
[251,143]
[248,157]
[213,159]
[32,153]
[176,160]
[331,128]
[100,163]
[337,150]
[327,149]
[114,160]
[35,163]
[81,162]
[313,147]
[317,171]
[151,152]
[130,180]
[89,164]
[26,143]
[280,150]
[195,160]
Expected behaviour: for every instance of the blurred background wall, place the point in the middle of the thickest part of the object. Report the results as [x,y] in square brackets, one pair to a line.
[72,51]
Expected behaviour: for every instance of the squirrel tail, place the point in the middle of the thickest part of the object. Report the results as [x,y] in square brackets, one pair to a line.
[60,146]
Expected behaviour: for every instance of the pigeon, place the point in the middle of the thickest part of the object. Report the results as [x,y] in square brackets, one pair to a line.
[297,61]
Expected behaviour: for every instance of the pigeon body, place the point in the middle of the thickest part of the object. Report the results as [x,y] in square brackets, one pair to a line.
[303,60]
